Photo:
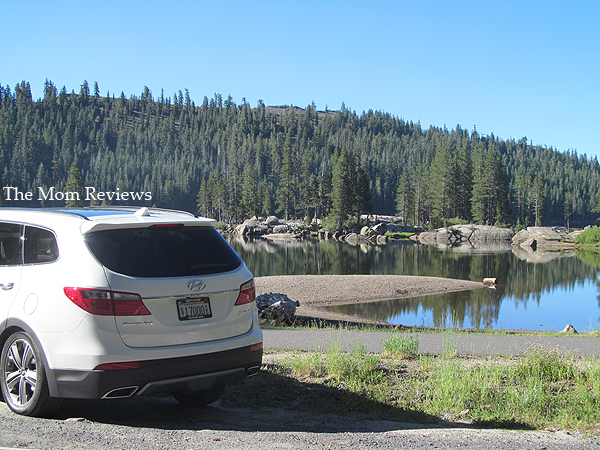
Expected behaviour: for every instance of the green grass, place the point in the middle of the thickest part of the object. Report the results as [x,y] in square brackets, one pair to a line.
[401,345]
[542,388]
[401,235]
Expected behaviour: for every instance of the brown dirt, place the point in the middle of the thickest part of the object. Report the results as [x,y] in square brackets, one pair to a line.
[316,291]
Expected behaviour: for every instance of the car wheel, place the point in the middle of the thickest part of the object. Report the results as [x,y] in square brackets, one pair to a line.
[199,398]
[23,377]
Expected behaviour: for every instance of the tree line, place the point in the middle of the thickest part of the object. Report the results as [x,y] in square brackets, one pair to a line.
[231,161]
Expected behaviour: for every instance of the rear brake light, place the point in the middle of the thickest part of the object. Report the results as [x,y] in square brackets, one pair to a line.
[256,347]
[247,293]
[107,303]
[172,226]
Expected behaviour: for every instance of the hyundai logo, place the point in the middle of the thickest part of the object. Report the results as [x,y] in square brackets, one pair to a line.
[196,285]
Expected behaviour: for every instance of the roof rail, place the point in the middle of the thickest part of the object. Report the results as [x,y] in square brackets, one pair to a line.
[66,211]
[80,212]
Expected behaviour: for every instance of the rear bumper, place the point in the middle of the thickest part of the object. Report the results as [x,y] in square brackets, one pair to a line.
[189,373]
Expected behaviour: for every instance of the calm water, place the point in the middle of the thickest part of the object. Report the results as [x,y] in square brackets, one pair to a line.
[542,295]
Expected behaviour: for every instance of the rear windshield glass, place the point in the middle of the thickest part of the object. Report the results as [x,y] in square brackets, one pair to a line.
[163,251]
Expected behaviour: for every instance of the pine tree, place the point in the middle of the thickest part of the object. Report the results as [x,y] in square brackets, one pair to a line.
[364,200]
[286,192]
[440,180]
[203,199]
[405,199]
[568,208]
[74,188]
[266,201]
[342,189]
[249,202]
[305,187]
[522,196]
[462,182]
[499,207]
[538,195]
[481,183]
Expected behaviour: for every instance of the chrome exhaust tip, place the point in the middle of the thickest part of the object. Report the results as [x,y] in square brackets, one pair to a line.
[252,371]
[121,392]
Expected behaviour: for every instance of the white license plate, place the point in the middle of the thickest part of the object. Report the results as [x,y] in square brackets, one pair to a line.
[194,308]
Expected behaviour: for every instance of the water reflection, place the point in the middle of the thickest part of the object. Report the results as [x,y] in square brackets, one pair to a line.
[535,291]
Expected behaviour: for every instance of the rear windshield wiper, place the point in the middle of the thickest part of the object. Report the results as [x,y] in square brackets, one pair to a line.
[202,268]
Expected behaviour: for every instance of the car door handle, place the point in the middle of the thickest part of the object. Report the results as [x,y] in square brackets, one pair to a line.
[7,286]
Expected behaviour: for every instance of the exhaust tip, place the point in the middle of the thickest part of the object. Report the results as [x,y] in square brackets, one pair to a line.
[252,371]
[121,392]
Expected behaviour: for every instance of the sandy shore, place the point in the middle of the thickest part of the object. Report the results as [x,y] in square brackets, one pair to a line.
[316,291]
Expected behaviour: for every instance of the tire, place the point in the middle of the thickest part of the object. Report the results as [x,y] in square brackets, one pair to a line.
[23,377]
[199,398]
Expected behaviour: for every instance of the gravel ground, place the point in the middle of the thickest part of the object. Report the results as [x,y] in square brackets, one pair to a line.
[315,291]
[160,423]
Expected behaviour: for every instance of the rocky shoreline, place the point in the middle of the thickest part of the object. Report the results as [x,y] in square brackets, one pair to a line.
[381,228]
[315,292]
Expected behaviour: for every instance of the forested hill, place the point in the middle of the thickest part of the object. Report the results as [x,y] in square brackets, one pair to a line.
[233,160]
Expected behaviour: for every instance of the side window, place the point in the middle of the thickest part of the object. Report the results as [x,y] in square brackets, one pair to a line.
[40,245]
[10,244]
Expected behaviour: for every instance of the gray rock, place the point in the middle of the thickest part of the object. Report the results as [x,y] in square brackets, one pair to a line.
[393,228]
[276,307]
[281,229]
[272,220]
[380,228]
[545,238]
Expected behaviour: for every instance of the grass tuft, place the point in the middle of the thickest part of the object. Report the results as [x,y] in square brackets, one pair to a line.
[401,346]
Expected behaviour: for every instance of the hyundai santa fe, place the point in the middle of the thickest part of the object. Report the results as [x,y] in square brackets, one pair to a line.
[113,302]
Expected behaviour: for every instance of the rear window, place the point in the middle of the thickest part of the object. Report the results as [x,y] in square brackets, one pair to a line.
[158,251]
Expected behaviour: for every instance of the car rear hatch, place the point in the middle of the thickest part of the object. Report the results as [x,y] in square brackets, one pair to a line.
[189,280]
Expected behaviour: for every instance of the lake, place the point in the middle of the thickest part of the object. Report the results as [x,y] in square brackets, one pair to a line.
[534,292]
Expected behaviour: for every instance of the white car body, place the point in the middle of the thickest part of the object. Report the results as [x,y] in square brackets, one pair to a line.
[90,355]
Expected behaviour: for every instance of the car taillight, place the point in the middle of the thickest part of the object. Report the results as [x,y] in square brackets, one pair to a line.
[247,293]
[256,347]
[107,303]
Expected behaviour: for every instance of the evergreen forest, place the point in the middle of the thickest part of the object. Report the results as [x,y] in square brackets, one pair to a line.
[233,161]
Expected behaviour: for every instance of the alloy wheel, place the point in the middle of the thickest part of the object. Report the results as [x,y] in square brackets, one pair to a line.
[20,373]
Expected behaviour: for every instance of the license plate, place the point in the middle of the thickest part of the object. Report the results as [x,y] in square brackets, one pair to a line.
[194,308]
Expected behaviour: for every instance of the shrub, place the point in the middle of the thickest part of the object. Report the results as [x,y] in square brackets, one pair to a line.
[591,236]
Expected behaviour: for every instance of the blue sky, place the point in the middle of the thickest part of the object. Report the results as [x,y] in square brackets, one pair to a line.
[512,68]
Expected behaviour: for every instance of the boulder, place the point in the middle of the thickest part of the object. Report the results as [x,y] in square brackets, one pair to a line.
[380,228]
[489,233]
[272,221]
[259,230]
[276,307]
[243,230]
[393,228]
[545,238]
[281,229]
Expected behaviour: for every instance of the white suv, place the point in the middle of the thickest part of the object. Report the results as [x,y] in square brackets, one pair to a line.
[120,301]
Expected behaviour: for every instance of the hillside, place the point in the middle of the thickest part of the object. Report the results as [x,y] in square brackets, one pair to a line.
[242,159]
